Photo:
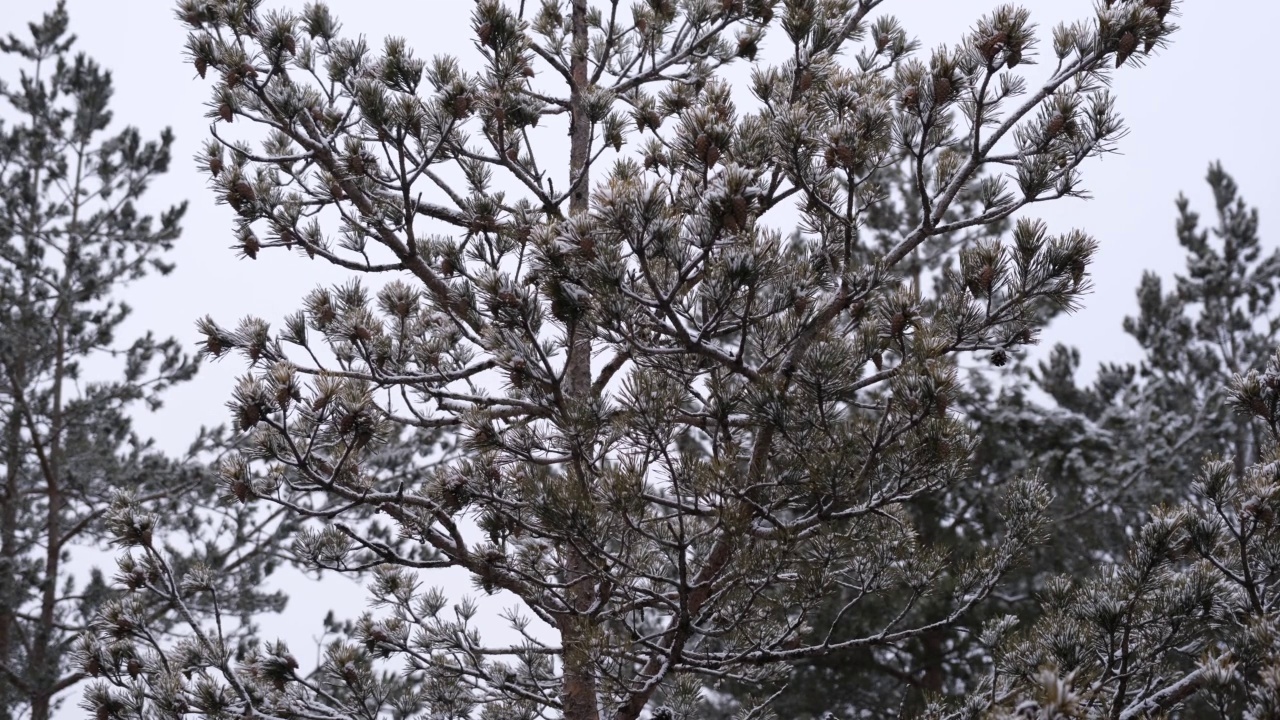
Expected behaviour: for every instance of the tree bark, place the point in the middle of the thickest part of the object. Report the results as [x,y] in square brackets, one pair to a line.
[9,595]
[578,363]
[578,693]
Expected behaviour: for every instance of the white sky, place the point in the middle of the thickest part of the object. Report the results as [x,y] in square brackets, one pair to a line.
[1212,95]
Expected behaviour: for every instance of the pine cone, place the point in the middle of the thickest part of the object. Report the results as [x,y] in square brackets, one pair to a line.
[1128,43]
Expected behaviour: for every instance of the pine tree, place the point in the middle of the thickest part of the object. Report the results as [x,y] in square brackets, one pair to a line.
[1132,439]
[1161,415]
[1188,620]
[604,385]
[72,234]
[1147,427]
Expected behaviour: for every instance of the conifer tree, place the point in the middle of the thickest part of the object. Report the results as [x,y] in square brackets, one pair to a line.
[72,234]
[1186,623]
[592,374]
[1132,439]
[1137,422]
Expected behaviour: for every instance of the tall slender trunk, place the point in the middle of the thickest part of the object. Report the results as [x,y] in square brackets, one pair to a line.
[579,691]
[9,594]
[45,657]
[44,661]
[13,691]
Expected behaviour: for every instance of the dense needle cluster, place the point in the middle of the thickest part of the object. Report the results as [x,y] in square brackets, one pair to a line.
[73,232]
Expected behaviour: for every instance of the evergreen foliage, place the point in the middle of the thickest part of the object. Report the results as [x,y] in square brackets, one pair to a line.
[596,378]
[1151,426]
[1134,438]
[72,234]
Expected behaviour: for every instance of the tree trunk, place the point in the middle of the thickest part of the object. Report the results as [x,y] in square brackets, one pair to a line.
[578,363]
[9,594]
[579,683]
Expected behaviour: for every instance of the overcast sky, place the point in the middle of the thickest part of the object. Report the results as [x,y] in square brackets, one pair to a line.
[1211,96]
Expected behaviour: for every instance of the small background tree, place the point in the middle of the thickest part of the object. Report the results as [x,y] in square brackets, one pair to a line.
[72,234]
[1191,608]
[1139,435]
[1134,438]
